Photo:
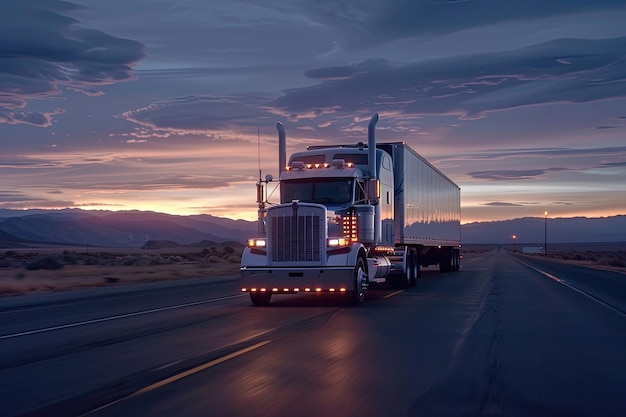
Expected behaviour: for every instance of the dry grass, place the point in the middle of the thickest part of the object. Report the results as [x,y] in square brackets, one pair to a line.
[28,271]
[603,256]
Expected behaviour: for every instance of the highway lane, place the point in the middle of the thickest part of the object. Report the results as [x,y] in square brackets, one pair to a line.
[496,338]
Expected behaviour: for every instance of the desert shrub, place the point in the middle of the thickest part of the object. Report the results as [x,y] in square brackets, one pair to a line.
[234,259]
[10,253]
[214,259]
[91,261]
[617,262]
[46,262]
[157,260]
[68,259]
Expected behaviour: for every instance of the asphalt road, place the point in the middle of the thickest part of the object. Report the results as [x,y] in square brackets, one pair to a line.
[502,337]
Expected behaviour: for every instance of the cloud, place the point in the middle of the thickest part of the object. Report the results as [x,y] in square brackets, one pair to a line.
[41,119]
[502,204]
[377,22]
[510,174]
[42,50]
[612,151]
[219,117]
[469,85]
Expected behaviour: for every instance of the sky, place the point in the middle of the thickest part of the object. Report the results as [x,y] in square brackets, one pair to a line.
[172,106]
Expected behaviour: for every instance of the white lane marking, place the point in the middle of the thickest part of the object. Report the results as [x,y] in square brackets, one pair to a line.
[568,285]
[121,316]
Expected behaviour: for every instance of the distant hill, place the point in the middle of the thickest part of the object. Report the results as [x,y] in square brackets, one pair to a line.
[124,229]
[116,229]
[531,230]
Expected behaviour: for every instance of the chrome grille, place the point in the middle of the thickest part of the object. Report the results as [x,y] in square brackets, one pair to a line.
[296,237]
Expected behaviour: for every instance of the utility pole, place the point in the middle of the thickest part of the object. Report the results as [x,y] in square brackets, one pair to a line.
[545,234]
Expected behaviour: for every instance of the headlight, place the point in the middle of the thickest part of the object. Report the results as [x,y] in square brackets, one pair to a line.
[338,241]
[256,243]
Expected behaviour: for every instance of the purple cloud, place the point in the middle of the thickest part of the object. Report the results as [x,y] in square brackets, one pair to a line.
[43,51]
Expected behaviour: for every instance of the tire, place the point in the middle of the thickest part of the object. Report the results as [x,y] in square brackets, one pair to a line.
[260,298]
[445,261]
[414,268]
[357,296]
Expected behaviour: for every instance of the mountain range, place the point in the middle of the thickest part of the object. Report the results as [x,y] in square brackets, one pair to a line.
[122,229]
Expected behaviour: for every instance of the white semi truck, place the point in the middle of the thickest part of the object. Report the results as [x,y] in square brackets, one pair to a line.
[350,216]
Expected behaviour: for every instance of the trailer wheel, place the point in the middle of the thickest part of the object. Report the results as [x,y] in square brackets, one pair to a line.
[357,296]
[260,298]
[413,268]
[445,260]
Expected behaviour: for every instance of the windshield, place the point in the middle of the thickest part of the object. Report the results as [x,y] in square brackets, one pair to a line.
[318,190]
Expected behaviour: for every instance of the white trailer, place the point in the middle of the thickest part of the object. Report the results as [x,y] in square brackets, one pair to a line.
[349,216]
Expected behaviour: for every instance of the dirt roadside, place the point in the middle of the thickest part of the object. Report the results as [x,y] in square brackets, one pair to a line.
[34,271]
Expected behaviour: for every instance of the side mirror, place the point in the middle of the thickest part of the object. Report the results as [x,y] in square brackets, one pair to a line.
[373,190]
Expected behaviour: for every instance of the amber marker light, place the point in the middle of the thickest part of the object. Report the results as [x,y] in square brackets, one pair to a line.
[318,290]
[342,290]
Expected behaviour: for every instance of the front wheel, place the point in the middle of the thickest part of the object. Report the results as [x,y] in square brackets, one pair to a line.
[357,296]
[260,298]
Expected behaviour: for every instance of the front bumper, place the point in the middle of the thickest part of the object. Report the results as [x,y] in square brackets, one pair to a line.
[295,280]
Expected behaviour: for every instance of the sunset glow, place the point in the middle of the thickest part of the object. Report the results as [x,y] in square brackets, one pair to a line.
[524,109]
